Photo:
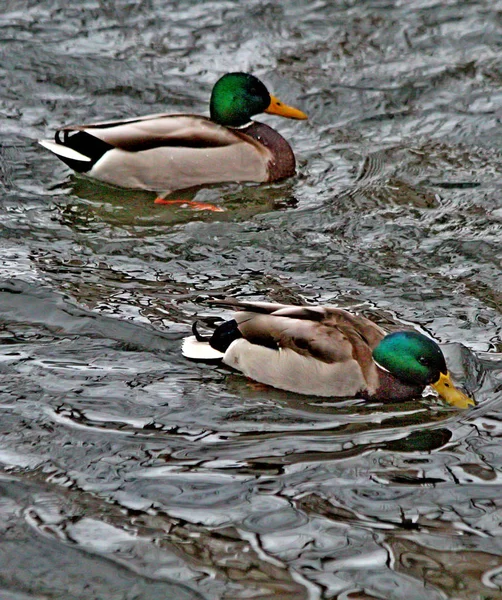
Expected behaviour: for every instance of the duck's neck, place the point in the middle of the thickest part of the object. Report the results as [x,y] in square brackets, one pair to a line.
[390,387]
[283,162]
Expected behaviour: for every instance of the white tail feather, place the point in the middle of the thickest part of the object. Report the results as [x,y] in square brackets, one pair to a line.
[61,150]
[192,348]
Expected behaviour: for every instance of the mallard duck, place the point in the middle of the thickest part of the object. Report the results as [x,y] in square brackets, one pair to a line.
[168,152]
[325,351]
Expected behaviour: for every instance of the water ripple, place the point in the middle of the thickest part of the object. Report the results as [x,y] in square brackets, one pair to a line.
[126,470]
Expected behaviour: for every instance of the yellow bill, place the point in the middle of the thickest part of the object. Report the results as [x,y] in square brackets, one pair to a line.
[276,107]
[445,388]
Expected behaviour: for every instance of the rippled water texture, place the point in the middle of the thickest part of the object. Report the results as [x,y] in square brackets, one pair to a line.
[129,472]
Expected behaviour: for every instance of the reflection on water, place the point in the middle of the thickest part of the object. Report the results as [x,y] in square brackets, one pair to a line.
[131,472]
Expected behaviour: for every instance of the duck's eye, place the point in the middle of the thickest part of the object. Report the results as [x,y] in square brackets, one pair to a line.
[423,360]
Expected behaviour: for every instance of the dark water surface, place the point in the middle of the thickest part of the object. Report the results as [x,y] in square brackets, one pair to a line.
[128,472]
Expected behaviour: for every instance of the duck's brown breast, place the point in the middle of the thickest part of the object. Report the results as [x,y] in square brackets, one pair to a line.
[391,389]
[283,163]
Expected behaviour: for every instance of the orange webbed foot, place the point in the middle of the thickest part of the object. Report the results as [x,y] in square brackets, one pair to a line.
[256,386]
[191,204]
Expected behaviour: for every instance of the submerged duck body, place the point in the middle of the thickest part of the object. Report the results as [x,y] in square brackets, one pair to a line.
[168,152]
[325,351]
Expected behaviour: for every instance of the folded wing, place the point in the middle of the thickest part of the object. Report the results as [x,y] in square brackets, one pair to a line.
[322,349]
[161,153]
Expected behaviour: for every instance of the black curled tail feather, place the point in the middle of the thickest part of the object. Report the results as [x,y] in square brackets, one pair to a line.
[198,336]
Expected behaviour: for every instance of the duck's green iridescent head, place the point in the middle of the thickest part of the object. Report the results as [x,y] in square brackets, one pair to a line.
[411,357]
[236,97]
[415,359]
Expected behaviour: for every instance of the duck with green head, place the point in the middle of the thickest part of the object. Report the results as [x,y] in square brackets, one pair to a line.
[170,152]
[325,351]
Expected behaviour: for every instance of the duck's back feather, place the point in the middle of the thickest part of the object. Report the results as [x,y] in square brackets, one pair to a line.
[144,133]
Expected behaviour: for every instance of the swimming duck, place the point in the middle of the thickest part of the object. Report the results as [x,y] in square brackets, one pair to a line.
[168,152]
[325,351]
